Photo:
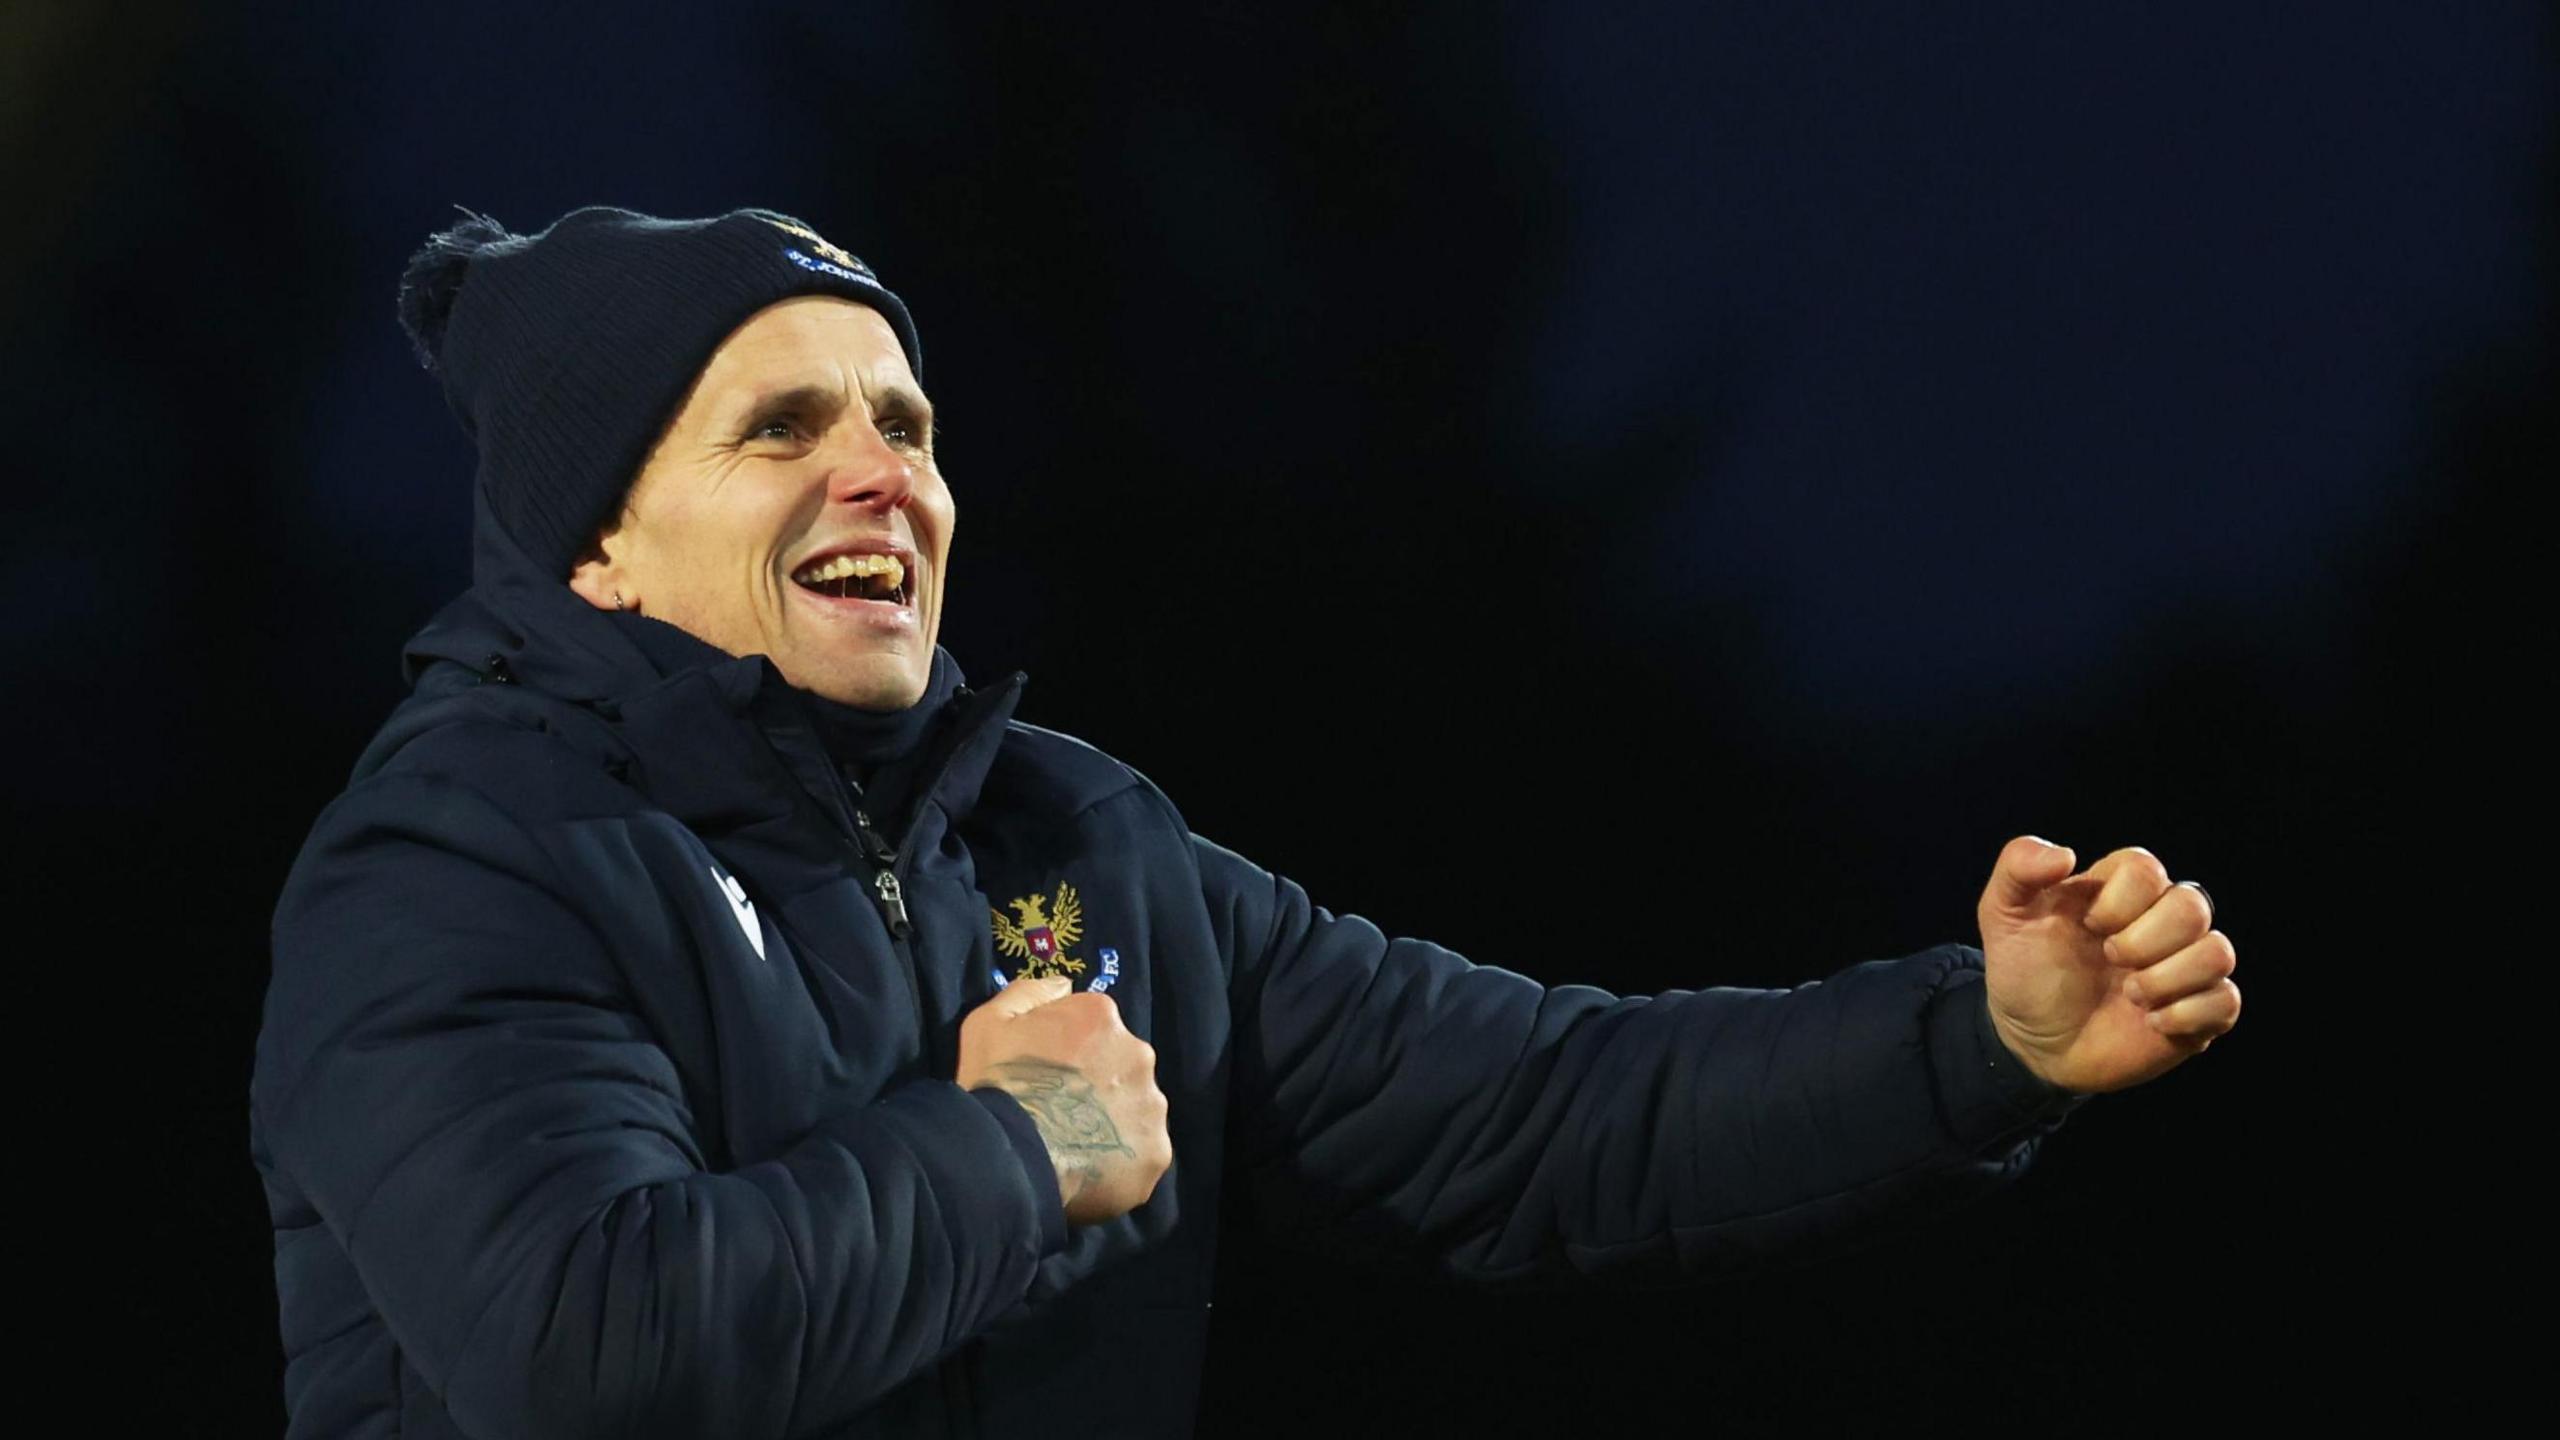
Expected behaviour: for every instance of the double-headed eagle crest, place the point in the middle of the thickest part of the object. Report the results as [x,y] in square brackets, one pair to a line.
[1041,935]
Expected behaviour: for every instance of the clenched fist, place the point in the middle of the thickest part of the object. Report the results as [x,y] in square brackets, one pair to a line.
[2102,980]
[1088,1084]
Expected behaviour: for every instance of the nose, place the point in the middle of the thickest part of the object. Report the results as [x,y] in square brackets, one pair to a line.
[870,472]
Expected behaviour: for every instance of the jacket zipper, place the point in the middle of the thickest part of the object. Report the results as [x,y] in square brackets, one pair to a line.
[888,890]
[881,858]
[884,875]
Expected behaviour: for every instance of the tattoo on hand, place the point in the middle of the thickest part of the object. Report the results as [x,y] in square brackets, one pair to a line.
[1074,1125]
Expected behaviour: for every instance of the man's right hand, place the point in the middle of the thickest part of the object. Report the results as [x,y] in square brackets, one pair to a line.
[1088,1083]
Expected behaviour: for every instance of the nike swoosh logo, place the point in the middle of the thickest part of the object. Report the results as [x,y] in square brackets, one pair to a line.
[741,909]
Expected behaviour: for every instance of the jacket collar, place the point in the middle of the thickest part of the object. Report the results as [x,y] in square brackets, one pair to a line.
[723,746]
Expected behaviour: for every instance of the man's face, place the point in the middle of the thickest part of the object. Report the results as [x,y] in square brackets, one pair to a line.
[793,508]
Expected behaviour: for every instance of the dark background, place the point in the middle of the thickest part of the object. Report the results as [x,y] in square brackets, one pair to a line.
[1647,497]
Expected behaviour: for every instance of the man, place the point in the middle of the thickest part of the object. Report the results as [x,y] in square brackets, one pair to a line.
[704,1014]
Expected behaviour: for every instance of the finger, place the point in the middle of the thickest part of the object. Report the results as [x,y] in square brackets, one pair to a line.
[2201,1017]
[2188,971]
[1024,995]
[2178,919]
[2028,865]
[2131,879]
[1108,1016]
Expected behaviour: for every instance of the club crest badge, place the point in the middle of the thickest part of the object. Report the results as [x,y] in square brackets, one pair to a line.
[1039,932]
[817,242]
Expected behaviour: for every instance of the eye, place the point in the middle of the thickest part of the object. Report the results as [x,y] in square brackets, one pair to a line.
[902,430]
[775,427]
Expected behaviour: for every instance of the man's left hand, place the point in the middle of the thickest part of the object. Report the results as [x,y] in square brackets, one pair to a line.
[2102,980]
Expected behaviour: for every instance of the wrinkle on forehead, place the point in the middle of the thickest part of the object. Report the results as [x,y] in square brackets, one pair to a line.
[805,339]
[830,394]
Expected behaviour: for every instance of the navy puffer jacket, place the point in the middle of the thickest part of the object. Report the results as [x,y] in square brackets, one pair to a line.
[598,1092]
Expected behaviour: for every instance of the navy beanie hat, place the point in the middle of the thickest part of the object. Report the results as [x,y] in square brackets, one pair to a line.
[566,353]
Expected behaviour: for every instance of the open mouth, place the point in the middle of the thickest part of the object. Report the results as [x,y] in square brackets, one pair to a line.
[866,576]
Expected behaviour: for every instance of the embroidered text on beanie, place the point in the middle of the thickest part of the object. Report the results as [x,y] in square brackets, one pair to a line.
[565,353]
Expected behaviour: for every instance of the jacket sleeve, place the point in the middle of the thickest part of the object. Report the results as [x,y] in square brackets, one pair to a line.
[450,1070]
[1392,1102]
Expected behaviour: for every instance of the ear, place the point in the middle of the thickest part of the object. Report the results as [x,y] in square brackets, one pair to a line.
[600,578]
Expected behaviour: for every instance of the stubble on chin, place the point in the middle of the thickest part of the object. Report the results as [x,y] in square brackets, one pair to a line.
[868,688]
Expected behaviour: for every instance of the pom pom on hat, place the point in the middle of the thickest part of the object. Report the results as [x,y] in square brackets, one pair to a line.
[434,279]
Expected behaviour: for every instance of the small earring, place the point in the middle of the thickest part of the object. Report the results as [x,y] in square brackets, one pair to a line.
[617,601]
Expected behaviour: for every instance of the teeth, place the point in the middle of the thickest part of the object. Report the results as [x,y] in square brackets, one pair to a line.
[846,567]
